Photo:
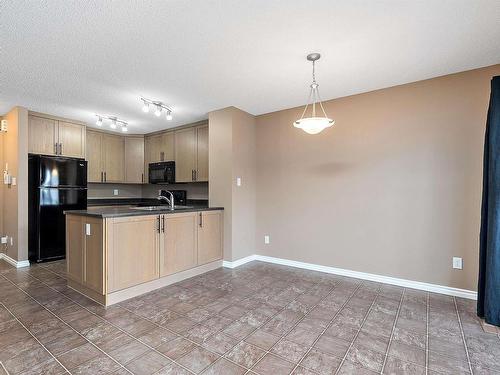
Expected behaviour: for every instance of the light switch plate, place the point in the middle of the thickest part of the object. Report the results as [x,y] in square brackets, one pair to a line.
[266,240]
[4,239]
[457,263]
[238,181]
[115,192]
[87,229]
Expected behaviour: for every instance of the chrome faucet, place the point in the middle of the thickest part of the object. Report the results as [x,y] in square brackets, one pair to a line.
[170,201]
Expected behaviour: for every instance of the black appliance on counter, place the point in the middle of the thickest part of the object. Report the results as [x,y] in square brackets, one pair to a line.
[162,172]
[56,184]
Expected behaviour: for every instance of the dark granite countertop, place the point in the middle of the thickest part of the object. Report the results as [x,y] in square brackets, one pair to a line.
[118,211]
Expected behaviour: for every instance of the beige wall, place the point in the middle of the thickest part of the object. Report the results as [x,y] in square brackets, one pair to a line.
[15,198]
[2,166]
[394,188]
[232,155]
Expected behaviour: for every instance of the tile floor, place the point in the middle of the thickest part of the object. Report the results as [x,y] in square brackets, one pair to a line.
[257,319]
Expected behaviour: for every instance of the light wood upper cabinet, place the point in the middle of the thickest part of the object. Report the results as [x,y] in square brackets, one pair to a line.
[133,250]
[105,157]
[42,135]
[114,158]
[71,139]
[158,147]
[134,159]
[95,166]
[48,136]
[209,236]
[202,153]
[178,251]
[185,155]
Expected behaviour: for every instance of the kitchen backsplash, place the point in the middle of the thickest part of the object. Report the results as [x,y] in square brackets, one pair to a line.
[197,190]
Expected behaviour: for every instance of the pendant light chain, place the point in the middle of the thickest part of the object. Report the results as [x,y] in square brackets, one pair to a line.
[313,124]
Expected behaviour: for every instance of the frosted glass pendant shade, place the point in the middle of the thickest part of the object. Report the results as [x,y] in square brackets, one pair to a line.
[313,125]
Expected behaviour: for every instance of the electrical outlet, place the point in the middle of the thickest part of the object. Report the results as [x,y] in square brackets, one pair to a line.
[5,239]
[238,181]
[457,263]
[12,241]
[266,240]
[115,192]
[87,229]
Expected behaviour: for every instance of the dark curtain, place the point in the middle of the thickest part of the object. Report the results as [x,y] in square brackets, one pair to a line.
[488,304]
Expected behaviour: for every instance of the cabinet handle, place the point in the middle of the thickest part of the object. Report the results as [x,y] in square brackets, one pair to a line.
[163,223]
[142,178]
[60,148]
[105,177]
[195,175]
[162,156]
[158,224]
[201,220]
[102,176]
[192,174]
[55,148]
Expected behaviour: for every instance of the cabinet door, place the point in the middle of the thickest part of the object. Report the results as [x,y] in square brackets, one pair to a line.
[185,155]
[167,146]
[94,156]
[209,236]
[114,158]
[134,159]
[202,153]
[93,271]
[151,153]
[178,250]
[71,139]
[74,247]
[42,135]
[133,251]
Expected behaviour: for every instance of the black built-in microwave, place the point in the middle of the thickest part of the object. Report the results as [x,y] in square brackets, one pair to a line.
[162,172]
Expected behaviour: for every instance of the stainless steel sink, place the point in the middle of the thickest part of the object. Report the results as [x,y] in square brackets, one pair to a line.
[161,208]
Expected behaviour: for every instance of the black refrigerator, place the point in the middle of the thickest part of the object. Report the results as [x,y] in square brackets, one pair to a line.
[56,184]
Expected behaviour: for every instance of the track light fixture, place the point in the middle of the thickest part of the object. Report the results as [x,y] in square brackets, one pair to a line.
[159,107]
[114,122]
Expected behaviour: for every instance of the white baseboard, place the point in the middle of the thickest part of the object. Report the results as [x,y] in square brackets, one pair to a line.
[434,288]
[238,262]
[15,263]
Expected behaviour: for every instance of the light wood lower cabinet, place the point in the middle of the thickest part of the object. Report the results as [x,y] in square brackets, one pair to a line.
[106,256]
[209,236]
[133,249]
[85,252]
[179,243]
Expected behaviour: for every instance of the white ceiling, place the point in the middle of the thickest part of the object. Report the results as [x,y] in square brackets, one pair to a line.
[78,58]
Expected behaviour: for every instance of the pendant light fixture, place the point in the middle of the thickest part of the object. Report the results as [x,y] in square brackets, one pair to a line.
[313,124]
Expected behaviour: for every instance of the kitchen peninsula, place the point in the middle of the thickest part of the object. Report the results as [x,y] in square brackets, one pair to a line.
[116,253]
